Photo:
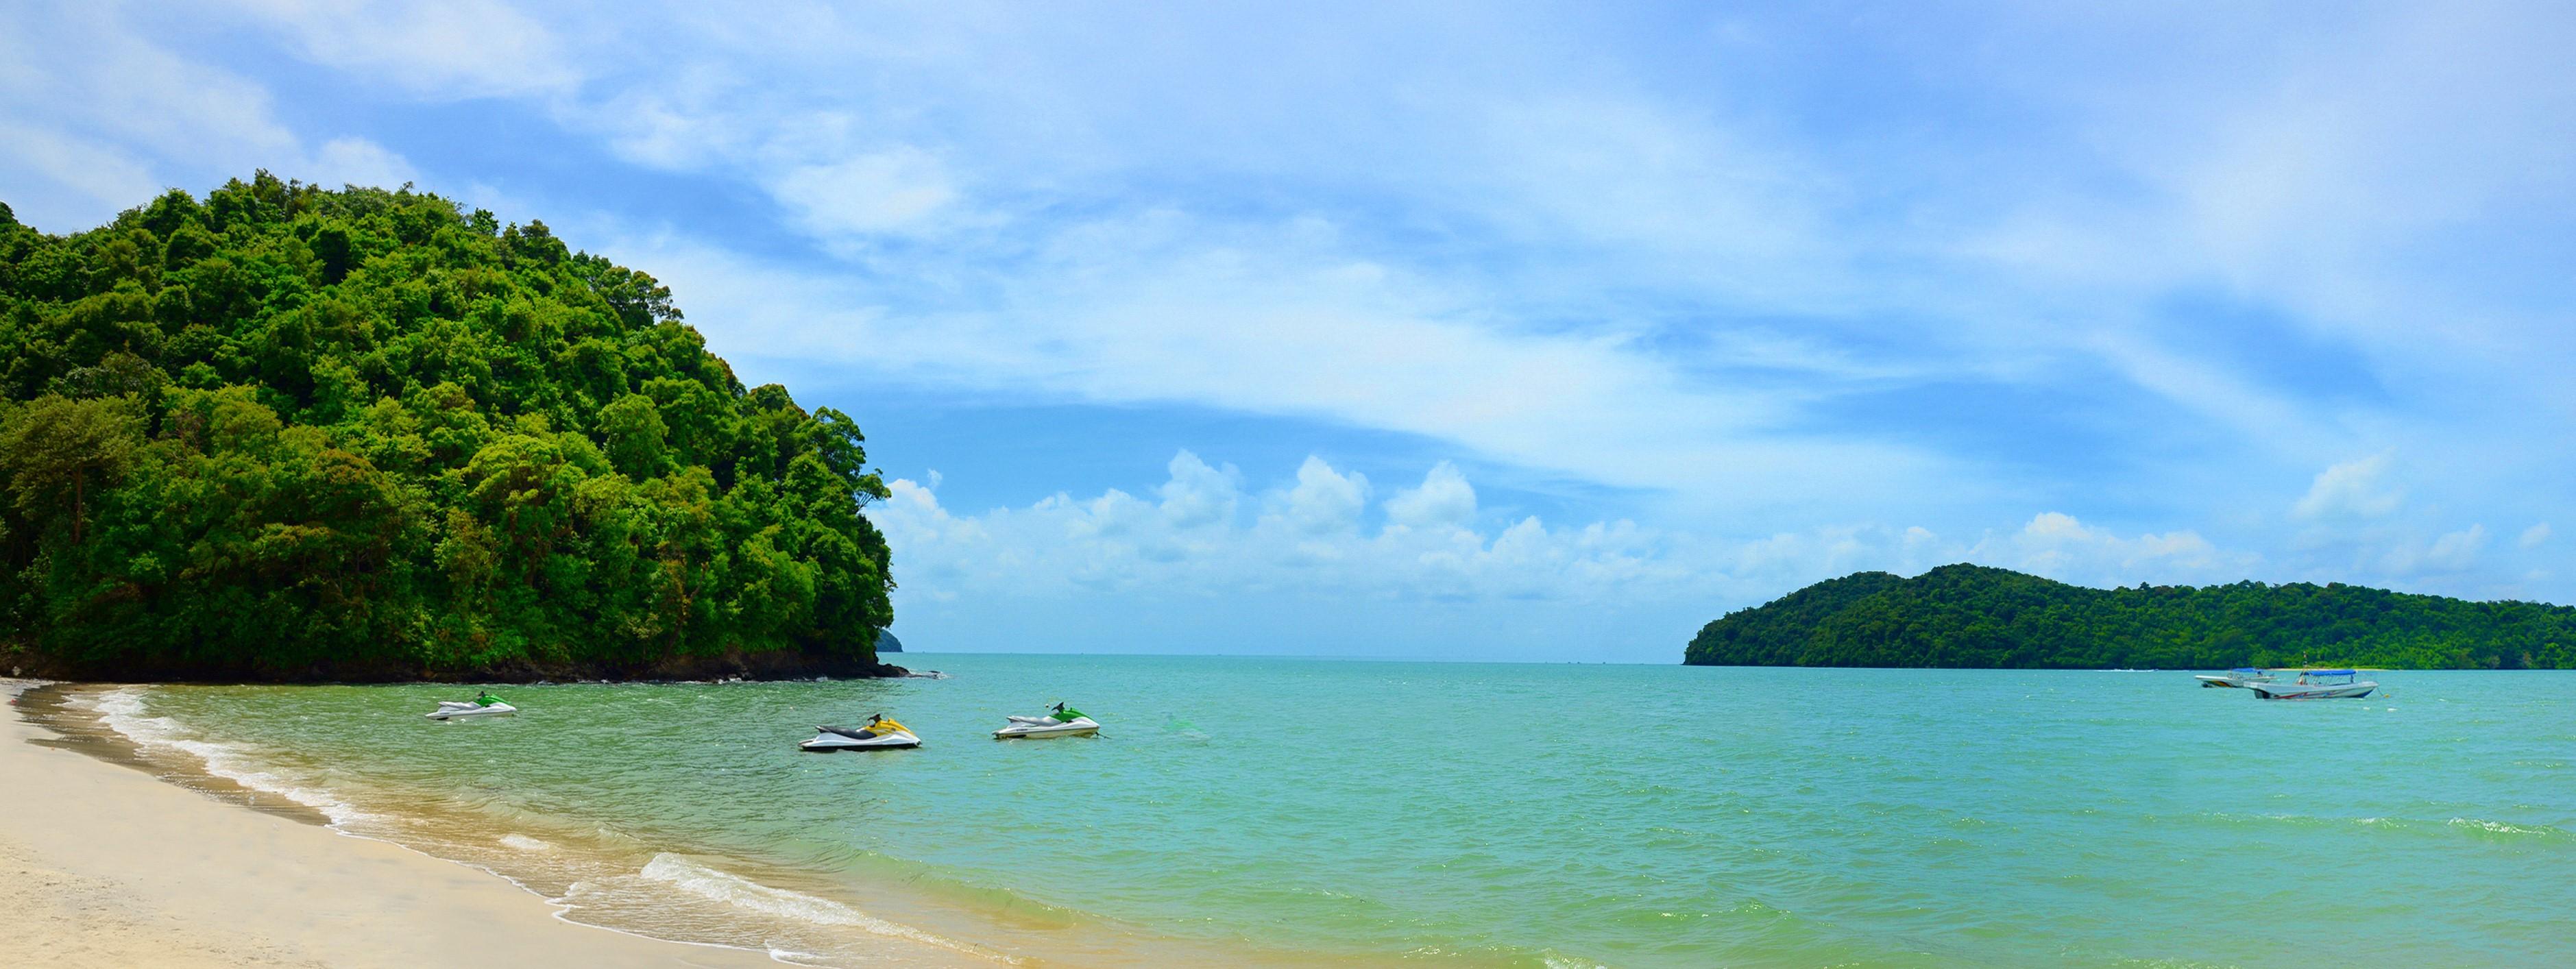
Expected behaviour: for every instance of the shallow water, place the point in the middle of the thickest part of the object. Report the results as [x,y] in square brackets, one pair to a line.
[1299,812]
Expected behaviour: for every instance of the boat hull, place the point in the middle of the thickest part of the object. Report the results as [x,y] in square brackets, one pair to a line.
[2353,692]
[2239,678]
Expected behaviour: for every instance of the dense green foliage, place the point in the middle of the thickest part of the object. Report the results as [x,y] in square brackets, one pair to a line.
[289,432]
[1969,616]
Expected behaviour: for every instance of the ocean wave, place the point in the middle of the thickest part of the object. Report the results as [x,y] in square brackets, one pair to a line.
[2512,830]
[739,892]
[524,843]
[122,710]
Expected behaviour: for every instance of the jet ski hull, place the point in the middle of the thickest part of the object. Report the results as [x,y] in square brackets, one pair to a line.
[890,737]
[828,743]
[1080,727]
[447,712]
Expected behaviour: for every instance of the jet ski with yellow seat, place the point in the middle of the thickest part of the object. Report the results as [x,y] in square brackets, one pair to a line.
[881,733]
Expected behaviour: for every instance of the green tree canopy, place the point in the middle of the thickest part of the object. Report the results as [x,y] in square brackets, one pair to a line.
[284,432]
[1972,616]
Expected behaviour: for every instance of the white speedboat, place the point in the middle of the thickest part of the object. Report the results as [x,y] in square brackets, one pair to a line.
[485,705]
[881,733]
[2240,676]
[1061,722]
[2318,685]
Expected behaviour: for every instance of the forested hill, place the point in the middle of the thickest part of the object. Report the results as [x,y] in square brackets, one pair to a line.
[1971,616]
[287,433]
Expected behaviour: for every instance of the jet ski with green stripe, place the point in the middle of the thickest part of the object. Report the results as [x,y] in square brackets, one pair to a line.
[1063,721]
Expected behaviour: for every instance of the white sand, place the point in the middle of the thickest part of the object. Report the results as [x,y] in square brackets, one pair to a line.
[101,865]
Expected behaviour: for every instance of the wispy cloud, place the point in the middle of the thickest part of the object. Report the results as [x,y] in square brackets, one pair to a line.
[103,115]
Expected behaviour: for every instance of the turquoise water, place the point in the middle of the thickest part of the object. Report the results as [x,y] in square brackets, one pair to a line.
[1299,812]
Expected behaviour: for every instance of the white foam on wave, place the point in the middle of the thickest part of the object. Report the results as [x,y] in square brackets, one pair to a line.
[2499,827]
[743,893]
[524,843]
[122,710]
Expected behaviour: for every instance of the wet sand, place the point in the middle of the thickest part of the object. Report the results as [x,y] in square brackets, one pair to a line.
[101,865]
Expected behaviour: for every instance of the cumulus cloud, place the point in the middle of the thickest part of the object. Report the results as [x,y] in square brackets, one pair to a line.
[1444,499]
[2533,536]
[1199,496]
[2353,489]
[1323,500]
[1309,547]
[1310,535]
[2057,545]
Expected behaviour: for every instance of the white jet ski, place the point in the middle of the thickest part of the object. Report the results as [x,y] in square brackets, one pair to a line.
[880,734]
[484,705]
[1062,722]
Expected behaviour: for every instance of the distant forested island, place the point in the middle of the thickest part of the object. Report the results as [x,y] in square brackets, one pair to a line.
[282,432]
[1976,617]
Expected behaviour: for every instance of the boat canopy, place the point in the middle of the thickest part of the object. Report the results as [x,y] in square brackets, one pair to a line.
[2246,669]
[2333,673]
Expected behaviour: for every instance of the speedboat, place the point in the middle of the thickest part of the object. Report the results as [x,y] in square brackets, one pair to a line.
[2318,685]
[487,706]
[2240,676]
[1060,722]
[881,733]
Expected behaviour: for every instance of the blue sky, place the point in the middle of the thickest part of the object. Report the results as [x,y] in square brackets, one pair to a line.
[1498,330]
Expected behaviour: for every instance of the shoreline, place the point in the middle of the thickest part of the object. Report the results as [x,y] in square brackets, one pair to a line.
[656,896]
[117,867]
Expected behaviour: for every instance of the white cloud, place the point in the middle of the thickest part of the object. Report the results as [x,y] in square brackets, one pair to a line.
[1167,308]
[1308,542]
[2451,552]
[1199,496]
[1323,500]
[1308,537]
[102,178]
[2056,545]
[1443,500]
[2458,550]
[895,190]
[436,48]
[2533,536]
[2353,489]
[357,161]
[95,107]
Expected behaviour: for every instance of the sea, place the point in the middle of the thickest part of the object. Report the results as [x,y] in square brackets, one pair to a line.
[1308,812]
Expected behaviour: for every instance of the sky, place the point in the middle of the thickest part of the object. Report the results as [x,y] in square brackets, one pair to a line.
[1494,330]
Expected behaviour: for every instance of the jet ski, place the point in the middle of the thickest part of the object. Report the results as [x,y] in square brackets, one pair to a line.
[1060,722]
[879,734]
[483,705]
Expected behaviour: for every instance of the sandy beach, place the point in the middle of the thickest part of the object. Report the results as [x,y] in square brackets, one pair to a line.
[102,865]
